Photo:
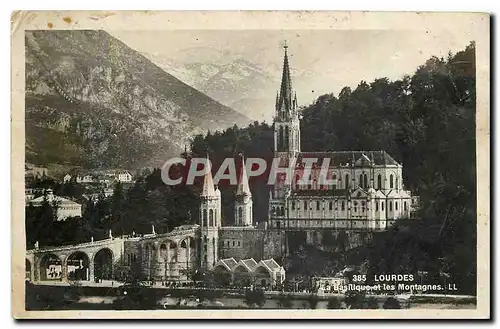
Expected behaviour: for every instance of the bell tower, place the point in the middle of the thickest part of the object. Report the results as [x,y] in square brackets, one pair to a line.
[210,220]
[286,119]
[243,204]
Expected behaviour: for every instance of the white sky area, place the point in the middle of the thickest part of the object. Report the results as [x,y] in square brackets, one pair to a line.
[322,61]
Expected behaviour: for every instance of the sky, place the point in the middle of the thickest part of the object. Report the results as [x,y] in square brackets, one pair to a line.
[322,61]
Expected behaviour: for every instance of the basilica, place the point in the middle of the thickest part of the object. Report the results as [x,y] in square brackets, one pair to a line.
[360,192]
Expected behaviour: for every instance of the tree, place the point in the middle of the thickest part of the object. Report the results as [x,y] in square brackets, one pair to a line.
[334,303]
[255,297]
[285,301]
[391,303]
[313,301]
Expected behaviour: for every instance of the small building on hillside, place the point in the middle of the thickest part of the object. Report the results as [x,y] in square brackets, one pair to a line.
[65,207]
[67,178]
[123,176]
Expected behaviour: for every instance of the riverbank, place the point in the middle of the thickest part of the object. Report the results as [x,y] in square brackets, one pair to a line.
[69,297]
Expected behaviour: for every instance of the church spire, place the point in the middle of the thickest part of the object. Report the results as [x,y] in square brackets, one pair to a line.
[243,188]
[208,183]
[285,97]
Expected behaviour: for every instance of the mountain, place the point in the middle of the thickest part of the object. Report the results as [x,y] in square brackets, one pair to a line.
[92,101]
[235,82]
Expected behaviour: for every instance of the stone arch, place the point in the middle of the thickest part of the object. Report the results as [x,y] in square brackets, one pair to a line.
[242,277]
[163,251]
[280,139]
[78,266]
[241,269]
[50,267]
[103,264]
[27,269]
[262,276]
[287,138]
[204,220]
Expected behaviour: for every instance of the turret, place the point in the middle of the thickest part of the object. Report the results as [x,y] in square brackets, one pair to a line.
[243,204]
[210,211]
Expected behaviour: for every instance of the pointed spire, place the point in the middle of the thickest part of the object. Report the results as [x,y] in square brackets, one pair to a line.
[285,97]
[277,100]
[243,188]
[208,183]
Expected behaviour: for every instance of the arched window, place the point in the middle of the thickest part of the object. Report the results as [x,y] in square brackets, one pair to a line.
[343,206]
[317,205]
[330,206]
[365,181]
[355,206]
[390,205]
[347,181]
[361,180]
[396,205]
[282,211]
[211,218]
[382,204]
[404,206]
[305,205]
[379,181]
[287,139]
[240,214]
[391,181]
[280,139]
[204,217]
[376,205]
[293,205]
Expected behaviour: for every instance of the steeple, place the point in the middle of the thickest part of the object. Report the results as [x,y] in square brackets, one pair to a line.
[243,188]
[208,183]
[285,96]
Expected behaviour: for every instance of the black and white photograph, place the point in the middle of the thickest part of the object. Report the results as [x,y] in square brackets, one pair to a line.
[323,170]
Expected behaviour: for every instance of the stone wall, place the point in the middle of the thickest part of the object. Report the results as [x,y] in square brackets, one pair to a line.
[241,243]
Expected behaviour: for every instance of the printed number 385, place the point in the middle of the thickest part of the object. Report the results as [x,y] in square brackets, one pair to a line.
[359,278]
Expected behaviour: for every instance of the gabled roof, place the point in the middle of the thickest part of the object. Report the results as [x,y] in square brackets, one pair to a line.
[393,194]
[329,193]
[250,264]
[228,263]
[57,199]
[349,158]
[359,193]
[271,264]
[363,161]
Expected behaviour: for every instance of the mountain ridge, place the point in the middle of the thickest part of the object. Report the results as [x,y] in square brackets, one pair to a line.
[109,104]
